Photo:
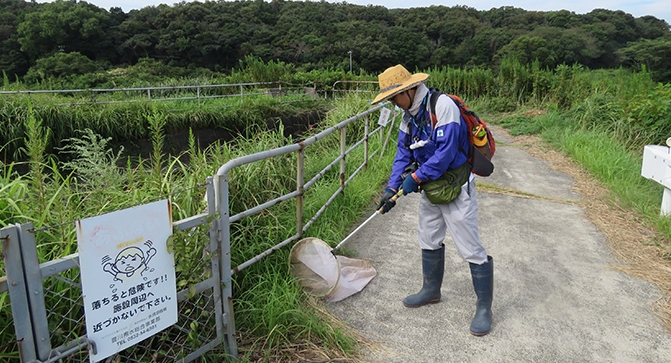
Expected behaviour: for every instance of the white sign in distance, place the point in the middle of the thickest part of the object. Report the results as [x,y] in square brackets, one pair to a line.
[128,276]
[384,117]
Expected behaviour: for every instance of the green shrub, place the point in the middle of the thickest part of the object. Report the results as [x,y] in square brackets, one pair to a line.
[651,113]
[60,65]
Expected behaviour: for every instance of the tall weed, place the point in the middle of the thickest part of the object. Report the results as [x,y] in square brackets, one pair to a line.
[92,160]
[270,308]
[13,188]
[36,145]
[649,114]
[156,122]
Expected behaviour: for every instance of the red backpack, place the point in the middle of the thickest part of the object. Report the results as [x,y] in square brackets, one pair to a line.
[480,138]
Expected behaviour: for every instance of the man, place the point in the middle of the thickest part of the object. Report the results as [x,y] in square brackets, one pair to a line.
[425,152]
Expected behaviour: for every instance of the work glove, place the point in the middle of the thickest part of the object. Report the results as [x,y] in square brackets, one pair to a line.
[410,185]
[386,203]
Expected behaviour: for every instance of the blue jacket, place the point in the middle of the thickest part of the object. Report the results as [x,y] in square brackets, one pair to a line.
[436,149]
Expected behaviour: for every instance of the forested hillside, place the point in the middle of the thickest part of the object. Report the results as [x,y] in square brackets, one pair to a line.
[38,41]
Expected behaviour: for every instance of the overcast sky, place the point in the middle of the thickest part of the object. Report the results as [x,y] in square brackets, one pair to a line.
[658,8]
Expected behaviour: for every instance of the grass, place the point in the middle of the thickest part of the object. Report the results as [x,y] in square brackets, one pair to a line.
[272,313]
[128,122]
[611,152]
[606,154]
[595,117]
[269,284]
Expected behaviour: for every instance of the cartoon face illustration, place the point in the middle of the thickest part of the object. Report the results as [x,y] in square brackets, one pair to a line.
[130,262]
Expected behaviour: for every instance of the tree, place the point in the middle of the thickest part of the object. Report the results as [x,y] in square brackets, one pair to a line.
[563,19]
[501,17]
[654,54]
[650,27]
[480,50]
[66,26]
[61,65]
[12,60]
[314,35]
[526,49]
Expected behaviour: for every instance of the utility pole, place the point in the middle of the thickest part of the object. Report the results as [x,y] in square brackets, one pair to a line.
[350,61]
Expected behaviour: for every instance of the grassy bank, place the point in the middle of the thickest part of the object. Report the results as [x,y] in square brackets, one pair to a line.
[271,312]
[127,123]
[608,146]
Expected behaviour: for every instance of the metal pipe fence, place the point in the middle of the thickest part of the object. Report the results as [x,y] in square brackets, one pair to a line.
[206,95]
[368,87]
[288,92]
[46,300]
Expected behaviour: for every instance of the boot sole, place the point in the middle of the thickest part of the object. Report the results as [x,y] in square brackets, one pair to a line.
[480,334]
[426,303]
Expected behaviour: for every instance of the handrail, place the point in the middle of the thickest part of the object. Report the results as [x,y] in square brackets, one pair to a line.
[357,82]
[288,89]
[224,169]
[357,90]
[147,88]
[224,219]
[221,182]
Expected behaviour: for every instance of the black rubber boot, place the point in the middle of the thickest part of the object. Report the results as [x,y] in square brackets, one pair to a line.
[483,284]
[433,266]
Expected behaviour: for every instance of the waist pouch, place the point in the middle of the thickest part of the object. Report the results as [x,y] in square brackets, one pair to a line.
[448,186]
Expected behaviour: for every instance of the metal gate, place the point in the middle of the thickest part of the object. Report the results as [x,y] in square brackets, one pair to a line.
[46,298]
[48,312]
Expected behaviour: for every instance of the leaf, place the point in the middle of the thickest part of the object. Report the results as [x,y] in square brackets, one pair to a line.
[170,244]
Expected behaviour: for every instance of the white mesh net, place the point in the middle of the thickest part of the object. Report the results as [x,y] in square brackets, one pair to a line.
[326,275]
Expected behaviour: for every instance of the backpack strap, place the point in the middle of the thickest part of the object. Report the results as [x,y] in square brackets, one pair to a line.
[469,155]
[423,123]
[433,101]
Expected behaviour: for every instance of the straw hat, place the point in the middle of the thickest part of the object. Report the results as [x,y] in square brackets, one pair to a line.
[395,80]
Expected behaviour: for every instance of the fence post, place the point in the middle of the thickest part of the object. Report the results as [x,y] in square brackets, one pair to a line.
[343,149]
[149,94]
[16,284]
[223,224]
[299,187]
[33,275]
[391,127]
[242,96]
[198,93]
[365,144]
[214,258]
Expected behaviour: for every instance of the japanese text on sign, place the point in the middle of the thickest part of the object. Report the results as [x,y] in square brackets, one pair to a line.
[128,276]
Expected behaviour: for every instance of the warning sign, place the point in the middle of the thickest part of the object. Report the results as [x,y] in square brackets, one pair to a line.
[128,276]
[384,117]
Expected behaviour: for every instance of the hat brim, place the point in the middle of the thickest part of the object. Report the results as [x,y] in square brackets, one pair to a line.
[413,81]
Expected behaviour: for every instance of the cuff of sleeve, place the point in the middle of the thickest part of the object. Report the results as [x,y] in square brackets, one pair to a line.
[414,176]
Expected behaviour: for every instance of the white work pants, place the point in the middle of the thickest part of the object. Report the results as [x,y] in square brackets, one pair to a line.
[460,217]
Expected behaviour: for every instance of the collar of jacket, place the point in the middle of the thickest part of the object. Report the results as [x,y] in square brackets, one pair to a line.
[420,93]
